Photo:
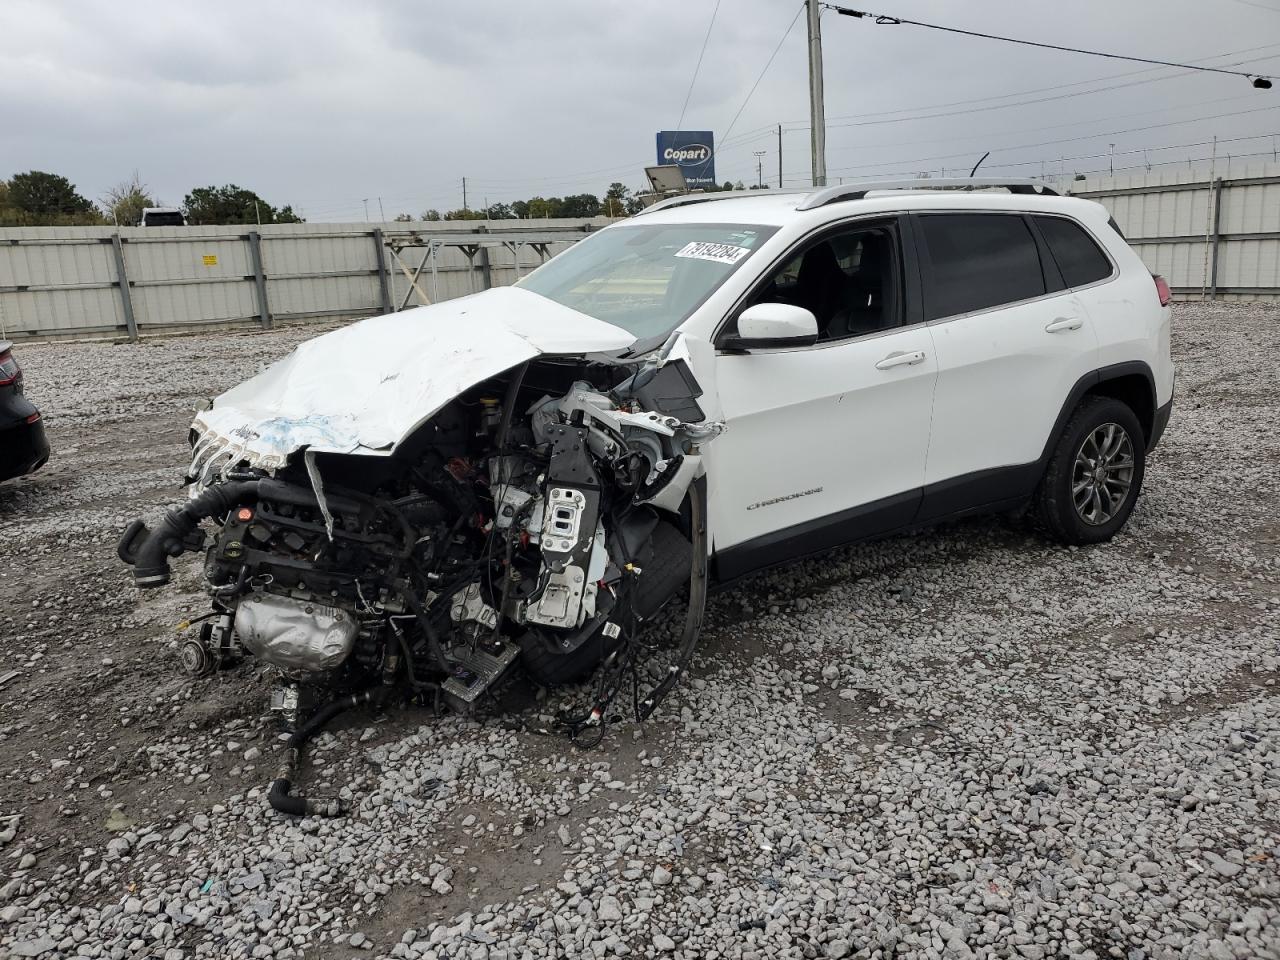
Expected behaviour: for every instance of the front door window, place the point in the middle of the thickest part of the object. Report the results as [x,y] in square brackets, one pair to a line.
[849,281]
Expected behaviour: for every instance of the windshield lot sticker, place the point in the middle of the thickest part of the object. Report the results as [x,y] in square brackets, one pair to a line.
[717,252]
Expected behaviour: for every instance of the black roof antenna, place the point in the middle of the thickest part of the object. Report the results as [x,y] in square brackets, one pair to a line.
[979,163]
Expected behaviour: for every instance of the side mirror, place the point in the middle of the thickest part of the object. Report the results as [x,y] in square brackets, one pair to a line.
[773,325]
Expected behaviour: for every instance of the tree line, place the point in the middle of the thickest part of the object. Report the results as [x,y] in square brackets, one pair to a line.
[40,199]
[618,201]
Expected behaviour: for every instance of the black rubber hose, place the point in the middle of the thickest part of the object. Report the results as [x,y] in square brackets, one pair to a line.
[149,551]
[409,663]
[697,601]
[434,647]
[279,796]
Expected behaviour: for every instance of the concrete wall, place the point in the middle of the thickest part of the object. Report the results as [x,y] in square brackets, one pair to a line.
[66,281]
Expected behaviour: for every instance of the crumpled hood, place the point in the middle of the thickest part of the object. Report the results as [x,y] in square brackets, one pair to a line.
[366,387]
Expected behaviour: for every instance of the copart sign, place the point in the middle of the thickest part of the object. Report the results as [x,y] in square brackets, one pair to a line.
[693,151]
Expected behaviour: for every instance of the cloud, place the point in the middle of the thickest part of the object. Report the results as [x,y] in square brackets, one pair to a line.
[323,104]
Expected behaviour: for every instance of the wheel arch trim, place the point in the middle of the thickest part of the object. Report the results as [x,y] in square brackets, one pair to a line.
[1094,379]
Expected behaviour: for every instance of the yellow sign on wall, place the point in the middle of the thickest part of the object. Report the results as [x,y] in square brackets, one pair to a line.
[210,259]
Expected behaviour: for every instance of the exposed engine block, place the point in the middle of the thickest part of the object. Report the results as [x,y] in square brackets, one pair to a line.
[495,538]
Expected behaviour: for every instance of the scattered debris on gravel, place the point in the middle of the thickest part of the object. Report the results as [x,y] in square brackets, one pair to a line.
[966,742]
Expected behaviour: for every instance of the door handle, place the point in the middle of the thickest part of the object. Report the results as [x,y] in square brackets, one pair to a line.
[1063,323]
[901,359]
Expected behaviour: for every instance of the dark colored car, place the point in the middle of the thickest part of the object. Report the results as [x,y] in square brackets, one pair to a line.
[23,447]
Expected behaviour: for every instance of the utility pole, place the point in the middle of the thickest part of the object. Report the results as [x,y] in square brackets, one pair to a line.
[759,168]
[365,201]
[817,113]
[464,194]
[382,214]
[779,156]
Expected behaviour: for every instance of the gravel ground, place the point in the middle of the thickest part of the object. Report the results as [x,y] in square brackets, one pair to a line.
[961,743]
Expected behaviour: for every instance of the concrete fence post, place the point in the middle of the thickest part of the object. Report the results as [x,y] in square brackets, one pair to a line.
[259,278]
[126,295]
[1217,238]
[380,255]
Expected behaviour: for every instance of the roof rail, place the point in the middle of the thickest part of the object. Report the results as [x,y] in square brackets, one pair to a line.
[687,198]
[858,191]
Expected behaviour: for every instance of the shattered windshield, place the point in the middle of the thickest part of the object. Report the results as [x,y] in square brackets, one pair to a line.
[646,279]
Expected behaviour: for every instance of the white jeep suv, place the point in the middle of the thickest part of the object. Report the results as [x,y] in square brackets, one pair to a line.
[887,358]
[723,383]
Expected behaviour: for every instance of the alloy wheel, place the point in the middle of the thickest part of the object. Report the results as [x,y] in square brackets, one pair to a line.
[1103,474]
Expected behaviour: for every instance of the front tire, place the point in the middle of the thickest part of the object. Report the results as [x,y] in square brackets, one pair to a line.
[665,570]
[1094,474]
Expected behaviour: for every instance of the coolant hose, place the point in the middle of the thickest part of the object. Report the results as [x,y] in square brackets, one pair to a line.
[279,795]
[149,551]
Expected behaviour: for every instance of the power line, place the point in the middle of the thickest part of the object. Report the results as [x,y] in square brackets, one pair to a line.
[1052,126]
[1131,152]
[753,134]
[913,166]
[697,66]
[908,171]
[1260,81]
[866,119]
[1047,143]
[1135,151]
[1026,130]
[1059,86]
[1260,6]
[796,125]
[761,133]
[1043,143]
[786,33]
[987,109]
[728,143]
[1157,163]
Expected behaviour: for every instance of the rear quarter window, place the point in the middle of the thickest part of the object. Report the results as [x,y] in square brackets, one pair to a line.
[979,261]
[1078,255]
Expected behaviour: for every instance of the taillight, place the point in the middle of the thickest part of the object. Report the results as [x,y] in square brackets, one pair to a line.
[1162,289]
[10,372]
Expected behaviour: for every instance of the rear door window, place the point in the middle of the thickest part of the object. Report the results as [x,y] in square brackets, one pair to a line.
[978,261]
[1077,253]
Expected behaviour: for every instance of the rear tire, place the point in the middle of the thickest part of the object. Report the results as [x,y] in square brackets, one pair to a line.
[1094,474]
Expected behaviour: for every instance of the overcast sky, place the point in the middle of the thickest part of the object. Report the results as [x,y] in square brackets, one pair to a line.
[322,104]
